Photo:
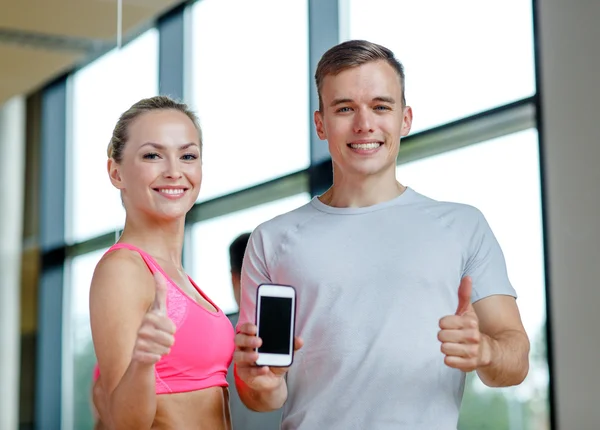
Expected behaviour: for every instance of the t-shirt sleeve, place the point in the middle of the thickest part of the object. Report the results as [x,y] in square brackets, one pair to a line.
[485,262]
[254,273]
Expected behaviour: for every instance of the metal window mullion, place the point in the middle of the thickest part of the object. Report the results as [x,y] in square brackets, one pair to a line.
[48,395]
[323,33]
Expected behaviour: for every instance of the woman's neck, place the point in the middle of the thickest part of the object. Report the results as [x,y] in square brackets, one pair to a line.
[162,240]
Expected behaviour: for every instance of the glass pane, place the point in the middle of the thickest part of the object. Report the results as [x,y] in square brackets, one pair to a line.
[80,358]
[501,178]
[101,92]
[209,266]
[461,57]
[250,89]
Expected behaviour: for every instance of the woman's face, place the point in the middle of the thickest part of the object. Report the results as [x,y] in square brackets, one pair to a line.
[160,173]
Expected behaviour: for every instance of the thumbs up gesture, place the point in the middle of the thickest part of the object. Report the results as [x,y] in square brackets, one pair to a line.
[156,333]
[459,334]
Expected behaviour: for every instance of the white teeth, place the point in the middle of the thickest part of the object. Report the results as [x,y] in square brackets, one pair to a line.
[371,145]
[171,191]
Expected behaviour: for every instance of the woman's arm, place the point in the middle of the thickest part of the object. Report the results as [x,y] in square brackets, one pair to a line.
[125,326]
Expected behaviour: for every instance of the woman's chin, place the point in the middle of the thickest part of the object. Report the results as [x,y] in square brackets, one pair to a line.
[169,214]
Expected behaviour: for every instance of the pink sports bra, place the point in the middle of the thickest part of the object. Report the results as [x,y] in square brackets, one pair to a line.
[203,347]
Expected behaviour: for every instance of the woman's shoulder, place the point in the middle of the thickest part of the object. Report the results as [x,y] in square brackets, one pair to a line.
[122,261]
[123,272]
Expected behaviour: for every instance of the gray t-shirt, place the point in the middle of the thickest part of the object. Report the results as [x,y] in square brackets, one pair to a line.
[372,285]
[243,418]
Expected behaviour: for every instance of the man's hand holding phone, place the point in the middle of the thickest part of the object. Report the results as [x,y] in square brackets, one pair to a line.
[258,378]
[265,351]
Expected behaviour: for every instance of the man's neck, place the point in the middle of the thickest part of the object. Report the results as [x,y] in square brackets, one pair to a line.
[350,192]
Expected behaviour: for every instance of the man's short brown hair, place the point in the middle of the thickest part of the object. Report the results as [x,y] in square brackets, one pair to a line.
[354,53]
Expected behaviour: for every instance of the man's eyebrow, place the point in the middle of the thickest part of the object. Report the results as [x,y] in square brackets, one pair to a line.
[336,102]
[384,99]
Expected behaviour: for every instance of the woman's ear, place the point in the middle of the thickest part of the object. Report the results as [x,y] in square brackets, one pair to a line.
[114,172]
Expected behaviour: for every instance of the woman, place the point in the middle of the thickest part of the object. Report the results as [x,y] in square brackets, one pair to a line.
[163,346]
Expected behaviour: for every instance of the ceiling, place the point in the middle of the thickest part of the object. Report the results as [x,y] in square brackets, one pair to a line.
[42,39]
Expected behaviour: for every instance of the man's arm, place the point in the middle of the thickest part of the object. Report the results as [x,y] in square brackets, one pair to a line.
[504,350]
[486,336]
[260,388]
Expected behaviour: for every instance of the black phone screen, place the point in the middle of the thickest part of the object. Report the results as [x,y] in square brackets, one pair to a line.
[275,323]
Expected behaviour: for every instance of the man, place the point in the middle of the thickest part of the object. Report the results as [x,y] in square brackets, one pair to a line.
[398,295]
[243,418]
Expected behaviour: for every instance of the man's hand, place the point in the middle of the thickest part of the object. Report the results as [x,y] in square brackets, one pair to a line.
[263,378]
[463,344]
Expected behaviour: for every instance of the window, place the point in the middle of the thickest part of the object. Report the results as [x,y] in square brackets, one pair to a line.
[250,89]
[501,178]
[459,57]
[209,265]
[101,92]
[78,355]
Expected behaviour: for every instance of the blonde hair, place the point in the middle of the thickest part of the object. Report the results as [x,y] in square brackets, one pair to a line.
[120,133]
[354,53]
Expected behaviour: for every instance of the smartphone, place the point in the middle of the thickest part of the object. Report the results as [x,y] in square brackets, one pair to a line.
[276,321]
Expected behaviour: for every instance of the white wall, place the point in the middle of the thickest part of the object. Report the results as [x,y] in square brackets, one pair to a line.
[570,85]
[12,177]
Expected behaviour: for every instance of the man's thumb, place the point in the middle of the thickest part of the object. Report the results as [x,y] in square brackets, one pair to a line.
[464,295]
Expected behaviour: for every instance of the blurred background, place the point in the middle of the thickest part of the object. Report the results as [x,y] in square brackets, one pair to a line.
[504,99]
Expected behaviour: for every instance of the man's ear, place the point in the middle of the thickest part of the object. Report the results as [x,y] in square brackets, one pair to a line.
[318,118]
[407,121]
[114,173]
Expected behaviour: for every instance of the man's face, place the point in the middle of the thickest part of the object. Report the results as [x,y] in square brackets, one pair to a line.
[363,119]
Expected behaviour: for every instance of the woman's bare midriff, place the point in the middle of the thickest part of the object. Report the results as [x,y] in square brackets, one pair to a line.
[206,409]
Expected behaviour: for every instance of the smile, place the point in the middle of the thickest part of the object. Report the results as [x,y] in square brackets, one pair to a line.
[370,145]
[171,193]
[365,148]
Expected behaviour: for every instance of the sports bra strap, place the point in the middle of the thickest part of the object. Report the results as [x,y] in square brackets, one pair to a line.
[152,265]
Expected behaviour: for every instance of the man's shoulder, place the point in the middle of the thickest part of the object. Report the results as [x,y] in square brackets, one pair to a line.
[285,221]
[447,209]
[461,219]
